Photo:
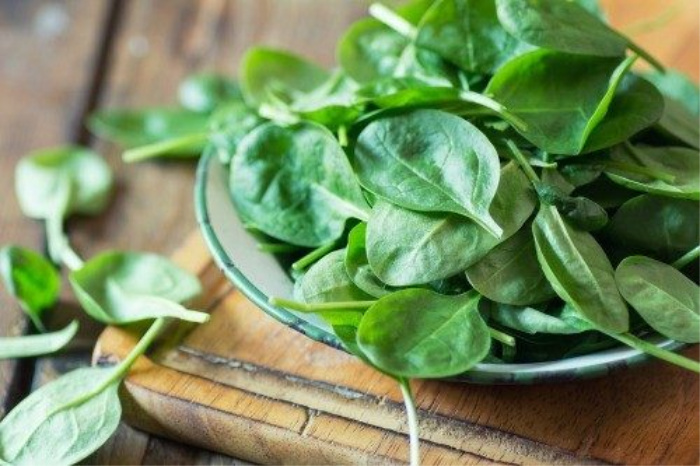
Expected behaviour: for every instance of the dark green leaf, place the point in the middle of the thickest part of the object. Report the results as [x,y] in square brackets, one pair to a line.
[678,87]
[533,321]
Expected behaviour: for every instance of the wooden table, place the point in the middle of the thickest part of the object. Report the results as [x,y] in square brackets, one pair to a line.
[60,60]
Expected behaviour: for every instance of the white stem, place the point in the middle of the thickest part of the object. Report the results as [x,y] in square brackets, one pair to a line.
[387,16]
[414,439]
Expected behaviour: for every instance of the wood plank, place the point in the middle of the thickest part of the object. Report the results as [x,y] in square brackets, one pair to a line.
[48,51]
[282,397]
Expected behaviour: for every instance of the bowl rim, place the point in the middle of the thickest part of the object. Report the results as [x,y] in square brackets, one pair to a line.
[595,365]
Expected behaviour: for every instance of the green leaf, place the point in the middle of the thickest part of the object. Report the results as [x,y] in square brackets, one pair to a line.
[295,184]
[560,97]
[580,212]
[134,128]
[408,248]
[666,171]
[660,227]
[204,92]
[120,288]
[560,25]
[510,273]
[63,421]
[679,125]
[333,104]
[269,76]
[228,126]
[579,271]
[419,333]
[31,279]
[430,161]
[468,34]
[679,87]
[665,298]
[533,321]
[37,345]
[357,264]
[61,181]
[328,281]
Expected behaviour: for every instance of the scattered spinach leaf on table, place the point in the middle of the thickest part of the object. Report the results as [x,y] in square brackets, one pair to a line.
[37,345]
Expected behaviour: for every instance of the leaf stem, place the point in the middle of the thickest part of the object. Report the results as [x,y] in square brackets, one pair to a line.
[276,248]
[687,258]
[412,415]
[59,246]
[343,136]
[316,307]
[653,350]
[313,256]
[522,161]
[646,56]
[187,142]
[484,101]
[503,337]
[390,18]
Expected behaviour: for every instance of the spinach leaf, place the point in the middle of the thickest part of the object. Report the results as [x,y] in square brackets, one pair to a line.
[31,279]
[295,184]
[134,128]
[666,171]
[430,161]
[605,193]
[328,281]
[405,247]
[578,270]
[36,345]
[580,212]
[204,92]
[468,34]
[678,87]
[357,264]
[560,97]
[419,333]
[660,227]
[678,125]
[405,92]
[636,106]
[269,76]
[510,273]
[533,321]
[332,104]
[665,298]
[120,288]
[228,126]
[63,421]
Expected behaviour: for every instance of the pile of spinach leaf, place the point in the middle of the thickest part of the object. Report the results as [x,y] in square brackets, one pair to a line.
[477,181]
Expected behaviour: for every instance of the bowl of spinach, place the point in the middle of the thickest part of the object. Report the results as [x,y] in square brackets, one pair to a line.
[492,194]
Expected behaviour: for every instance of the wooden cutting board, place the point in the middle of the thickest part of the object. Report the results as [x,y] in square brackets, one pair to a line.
[245,385]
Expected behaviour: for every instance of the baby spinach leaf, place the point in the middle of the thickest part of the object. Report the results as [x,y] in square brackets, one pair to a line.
[510,273]
[63,421]
[533,321]
[228,126]
[560,97]
[605,193]
[419,333]
[120,288]
[578,270]
[404,92]
[31,279]
[660,227]
[332,104]
[328,281]
[580,212]
[295,184]
[36,345]
[357,264]
[430,161]
[268,75]
[665,298]
[133,128]
[204,92]
[405,247]
[637,105]
[679,87]
[666,171]
[468,34]
[679,125]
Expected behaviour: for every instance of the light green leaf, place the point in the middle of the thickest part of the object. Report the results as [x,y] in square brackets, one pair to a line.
[36,345]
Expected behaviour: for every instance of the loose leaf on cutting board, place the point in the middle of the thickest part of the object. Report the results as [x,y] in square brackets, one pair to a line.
[661,227]
[665,171]
[60,423]
[430,161]
[357,264]
[31,279]
[510,273]
[579,271]
[408,248]
[419,333]
[36,345]
[124,287]
[328,281]
[295,184]
[665,298]
[560,97]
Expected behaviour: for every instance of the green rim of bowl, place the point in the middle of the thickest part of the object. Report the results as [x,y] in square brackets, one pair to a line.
[481,374]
